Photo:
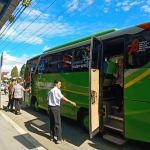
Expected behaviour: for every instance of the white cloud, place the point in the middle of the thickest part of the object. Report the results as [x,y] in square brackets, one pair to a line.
[108,1]
[35,13]
[126,8]
[73,5]
[46,48]
[106,10]
[34,33]
[60,18]
[146,8]
[90,1]
[127,4]
[85,5]
[10,61]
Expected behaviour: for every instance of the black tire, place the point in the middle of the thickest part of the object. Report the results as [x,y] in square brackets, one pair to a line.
[85,121]
[36,106]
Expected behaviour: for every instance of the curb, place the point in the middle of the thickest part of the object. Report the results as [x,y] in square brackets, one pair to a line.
[25,134]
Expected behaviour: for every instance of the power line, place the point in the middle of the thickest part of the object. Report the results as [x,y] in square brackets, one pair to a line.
[20,23]
[14,14]
[46,24]
[9,24]
[28,25]
[59,25]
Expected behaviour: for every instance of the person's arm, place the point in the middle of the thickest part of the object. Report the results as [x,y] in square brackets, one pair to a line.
[116,73]
[25,90]
[69,101]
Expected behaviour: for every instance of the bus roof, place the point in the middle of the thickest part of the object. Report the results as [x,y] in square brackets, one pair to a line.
[34,57]
[82,39]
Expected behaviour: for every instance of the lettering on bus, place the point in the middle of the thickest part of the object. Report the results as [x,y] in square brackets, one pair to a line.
[138,46]
[143,45]
[44,85]
[80,66]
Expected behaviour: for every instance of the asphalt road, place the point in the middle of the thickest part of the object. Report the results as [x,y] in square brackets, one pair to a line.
[37,125]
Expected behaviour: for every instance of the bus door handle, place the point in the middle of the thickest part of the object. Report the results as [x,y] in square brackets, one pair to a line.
[93,97]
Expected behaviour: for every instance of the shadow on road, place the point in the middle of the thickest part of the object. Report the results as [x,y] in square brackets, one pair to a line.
[74,134]
[71,130]
[24,142]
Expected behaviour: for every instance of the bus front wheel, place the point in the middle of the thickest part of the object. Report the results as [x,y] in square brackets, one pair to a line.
[36,106]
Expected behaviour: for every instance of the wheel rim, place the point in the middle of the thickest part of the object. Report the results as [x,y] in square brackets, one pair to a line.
[86,122]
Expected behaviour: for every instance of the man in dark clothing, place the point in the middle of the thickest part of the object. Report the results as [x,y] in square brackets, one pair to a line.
[53,99]
[11,99]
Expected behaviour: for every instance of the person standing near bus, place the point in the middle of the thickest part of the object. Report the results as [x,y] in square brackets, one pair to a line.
[53,99]
[11,99]
[6,88]
[17,93]
[119,84]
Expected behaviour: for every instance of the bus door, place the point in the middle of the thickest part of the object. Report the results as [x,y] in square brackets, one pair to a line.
[94,103]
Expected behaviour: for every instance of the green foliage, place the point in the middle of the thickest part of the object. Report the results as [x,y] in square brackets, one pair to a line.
[14,72]
[22,71]
[26,3]
[11,18]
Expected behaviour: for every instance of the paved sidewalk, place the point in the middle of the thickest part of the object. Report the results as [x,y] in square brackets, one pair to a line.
[11,139]
[12,136]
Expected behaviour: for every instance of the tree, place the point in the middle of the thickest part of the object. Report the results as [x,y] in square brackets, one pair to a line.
[14,72]
[22,71]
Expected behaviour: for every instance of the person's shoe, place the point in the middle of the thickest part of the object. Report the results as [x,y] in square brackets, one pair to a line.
[12,110]
[7,108]
[58,141]
[51,138]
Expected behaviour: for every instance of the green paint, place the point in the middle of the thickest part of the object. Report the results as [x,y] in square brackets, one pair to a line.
[74,87]
[134,75]
[137,122]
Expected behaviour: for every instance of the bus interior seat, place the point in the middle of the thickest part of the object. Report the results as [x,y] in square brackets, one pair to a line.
[108,80]
[107,86]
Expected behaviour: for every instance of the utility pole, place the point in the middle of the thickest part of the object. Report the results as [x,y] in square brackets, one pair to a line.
[1,63]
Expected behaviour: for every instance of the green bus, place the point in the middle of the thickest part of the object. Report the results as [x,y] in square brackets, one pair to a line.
[85,67]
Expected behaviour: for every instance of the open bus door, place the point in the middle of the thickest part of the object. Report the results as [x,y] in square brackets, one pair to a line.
[94,84]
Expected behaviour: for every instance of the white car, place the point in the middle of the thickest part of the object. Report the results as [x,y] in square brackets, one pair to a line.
[2,87]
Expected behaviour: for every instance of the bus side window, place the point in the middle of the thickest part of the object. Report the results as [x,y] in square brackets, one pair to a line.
[81,57]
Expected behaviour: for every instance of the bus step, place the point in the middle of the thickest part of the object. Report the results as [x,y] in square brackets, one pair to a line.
[115,117]
[113,126]
[114,139]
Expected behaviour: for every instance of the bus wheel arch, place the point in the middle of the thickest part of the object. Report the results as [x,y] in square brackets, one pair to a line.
[34,103]
[83,117]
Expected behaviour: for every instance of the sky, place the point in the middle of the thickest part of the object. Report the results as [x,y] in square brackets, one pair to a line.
[49,23]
